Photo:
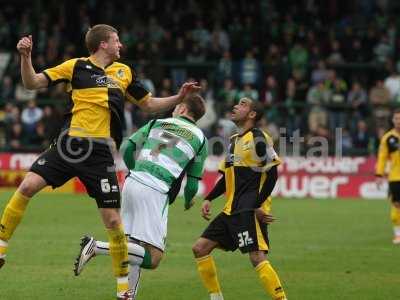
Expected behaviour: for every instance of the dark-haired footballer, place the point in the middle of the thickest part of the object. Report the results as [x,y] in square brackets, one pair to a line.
[249,174]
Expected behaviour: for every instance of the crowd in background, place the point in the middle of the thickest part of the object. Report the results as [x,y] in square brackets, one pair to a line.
[315,65]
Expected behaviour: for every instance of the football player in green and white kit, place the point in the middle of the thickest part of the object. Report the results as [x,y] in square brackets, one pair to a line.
[158,156]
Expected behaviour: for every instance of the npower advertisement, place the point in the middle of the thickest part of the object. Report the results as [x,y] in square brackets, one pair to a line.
[299,177]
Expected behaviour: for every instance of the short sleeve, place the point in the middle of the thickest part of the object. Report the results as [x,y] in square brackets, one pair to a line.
[264,149]
[60,73]
[136,92]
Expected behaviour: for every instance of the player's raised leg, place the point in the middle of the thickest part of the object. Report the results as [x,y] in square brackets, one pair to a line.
[137,255]
[15,209]
[269,278]
[206,267]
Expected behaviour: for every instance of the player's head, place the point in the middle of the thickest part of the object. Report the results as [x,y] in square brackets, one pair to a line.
[396,119]
[103,37]
[247,110]
[193,106]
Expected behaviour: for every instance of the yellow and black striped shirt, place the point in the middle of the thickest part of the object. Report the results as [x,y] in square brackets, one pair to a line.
[96,106]
[245,168]
[389,151]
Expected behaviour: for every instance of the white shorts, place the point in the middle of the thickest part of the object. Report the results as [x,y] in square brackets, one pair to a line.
[144,213]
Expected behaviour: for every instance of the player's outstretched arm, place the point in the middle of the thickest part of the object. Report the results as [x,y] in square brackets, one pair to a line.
[30,78]
[154,104]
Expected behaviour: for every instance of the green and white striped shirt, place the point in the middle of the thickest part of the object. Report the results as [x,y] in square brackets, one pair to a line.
[166,150]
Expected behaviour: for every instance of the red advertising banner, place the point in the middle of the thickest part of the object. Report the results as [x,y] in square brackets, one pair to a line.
[299,177]
[329,177]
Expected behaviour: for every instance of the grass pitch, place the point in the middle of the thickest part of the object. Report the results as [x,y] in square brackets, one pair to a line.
[321,249]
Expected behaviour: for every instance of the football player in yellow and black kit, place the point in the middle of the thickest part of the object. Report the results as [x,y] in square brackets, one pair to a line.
[97,86]
[389,151]
[249,174]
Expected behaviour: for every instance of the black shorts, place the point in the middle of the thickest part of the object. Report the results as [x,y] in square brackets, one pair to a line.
[240,230]
[89,160]
[394,191]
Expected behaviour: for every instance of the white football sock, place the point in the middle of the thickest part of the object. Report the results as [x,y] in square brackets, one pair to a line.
[135,252]
[134,277]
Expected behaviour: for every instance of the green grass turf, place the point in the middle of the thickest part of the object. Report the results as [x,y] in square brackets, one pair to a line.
[322,249]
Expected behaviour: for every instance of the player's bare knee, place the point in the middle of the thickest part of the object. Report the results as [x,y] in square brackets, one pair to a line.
[31,184]
[155,262]
[257,257]
[156,256]
[199,250]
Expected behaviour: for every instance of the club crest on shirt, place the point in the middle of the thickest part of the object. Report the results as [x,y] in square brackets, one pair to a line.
[120,73]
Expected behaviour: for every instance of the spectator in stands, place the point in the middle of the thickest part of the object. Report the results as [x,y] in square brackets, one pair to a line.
[379,97]
[225,67]
[383,50]
[249,69]
[31,114]
[156,32]
[318,97]
[337,105]
[201,35]
[361,136]
[293,119]
[337,102]
[219,39]
[51,121]
[248,91]
[270,97]
[346,142]
[392,83]
[298,57]
[358,99]
[273,62]
[166,84]
[12,114]
[226,97]
[15,137]
[287,44]
[320,73]
[6,90]
[38,140]
[335,56]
